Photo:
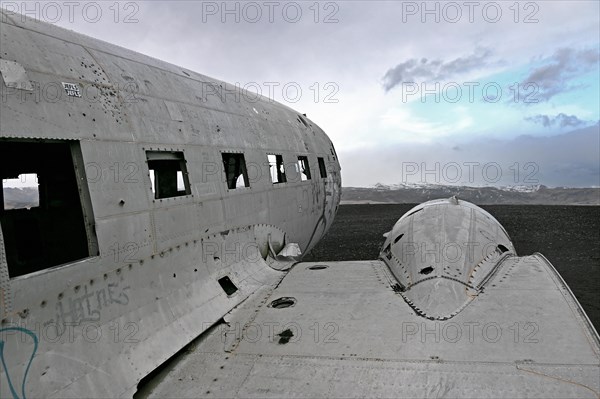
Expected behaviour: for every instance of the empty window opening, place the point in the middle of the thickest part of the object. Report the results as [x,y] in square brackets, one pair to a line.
[22,192]
[276,168]
[168,174]
[322,168]
[45,210]
[303,168]
[236,173]
[227,285]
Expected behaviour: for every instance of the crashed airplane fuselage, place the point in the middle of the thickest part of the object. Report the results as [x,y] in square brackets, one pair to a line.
[166,198]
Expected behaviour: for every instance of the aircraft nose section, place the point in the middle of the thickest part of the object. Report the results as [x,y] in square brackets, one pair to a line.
[442,253]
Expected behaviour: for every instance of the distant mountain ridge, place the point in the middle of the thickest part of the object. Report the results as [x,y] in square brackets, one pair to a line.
[20,197]
[510,195]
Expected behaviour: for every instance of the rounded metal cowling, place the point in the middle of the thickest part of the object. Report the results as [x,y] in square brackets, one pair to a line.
[441,252]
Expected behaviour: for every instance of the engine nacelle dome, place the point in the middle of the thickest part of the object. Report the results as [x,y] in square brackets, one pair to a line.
[442,252]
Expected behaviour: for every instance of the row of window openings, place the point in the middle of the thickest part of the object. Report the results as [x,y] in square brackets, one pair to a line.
[169,178]
[237,174]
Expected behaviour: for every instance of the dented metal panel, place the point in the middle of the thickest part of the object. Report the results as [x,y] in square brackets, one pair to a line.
[14,75]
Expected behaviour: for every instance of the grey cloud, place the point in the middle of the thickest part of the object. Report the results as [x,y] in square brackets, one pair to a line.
[424,69]
[562,120]
[570,159]
[565,64]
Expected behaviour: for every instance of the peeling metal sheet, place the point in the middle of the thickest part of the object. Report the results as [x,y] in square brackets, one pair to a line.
[284,259]
[174,111]
[14,75]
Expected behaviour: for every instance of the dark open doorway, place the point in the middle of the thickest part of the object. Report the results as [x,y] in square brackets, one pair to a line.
[42,210]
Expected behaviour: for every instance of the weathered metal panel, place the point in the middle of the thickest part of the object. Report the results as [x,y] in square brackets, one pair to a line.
[243,207]
[47,111]
[205,167]
[117,177]
[210,216]
[174,224]
[153,287]
[354,336]
[126,238]
[14,75]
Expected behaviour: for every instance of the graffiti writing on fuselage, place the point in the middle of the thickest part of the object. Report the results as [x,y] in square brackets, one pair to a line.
[87,306]
[7,372]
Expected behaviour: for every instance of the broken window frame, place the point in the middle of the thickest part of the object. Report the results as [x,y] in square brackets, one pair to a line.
[276,168]
[164,163]
[233,171]
[303,168]
[322,167]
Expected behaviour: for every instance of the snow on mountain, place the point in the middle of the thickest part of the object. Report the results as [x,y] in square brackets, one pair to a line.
[517,194]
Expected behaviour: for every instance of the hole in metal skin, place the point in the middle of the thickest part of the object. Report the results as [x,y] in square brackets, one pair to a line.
[387,249]
[285,336]
[398,288]
[318,267]
[227,285]
[398,238]
[426,270]
[284,302]
[502,248]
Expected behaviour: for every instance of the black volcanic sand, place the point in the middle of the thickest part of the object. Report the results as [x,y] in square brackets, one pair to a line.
[569,236]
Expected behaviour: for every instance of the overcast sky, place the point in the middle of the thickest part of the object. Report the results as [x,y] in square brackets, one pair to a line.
[436,86]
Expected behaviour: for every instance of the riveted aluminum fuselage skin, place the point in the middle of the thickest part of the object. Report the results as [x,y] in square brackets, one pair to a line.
[96,326]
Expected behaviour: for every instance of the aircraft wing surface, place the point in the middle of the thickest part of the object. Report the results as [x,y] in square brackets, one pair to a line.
[344,330]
